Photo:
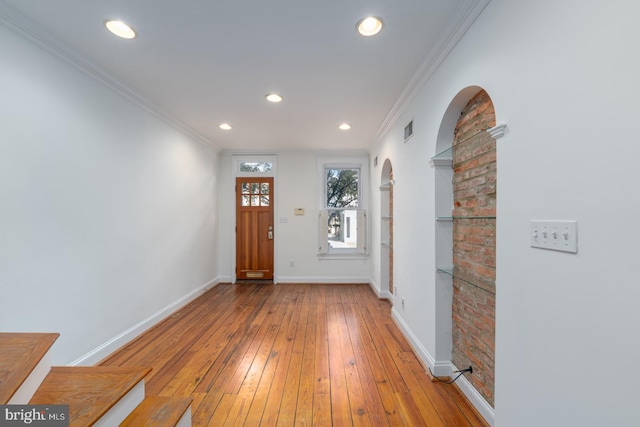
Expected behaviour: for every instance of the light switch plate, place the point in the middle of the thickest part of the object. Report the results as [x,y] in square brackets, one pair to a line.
[555,235]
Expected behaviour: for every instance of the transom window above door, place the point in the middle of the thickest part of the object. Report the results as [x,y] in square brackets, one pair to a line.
[256,166]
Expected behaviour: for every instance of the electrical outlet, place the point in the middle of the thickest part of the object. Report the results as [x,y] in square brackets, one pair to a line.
[462,371]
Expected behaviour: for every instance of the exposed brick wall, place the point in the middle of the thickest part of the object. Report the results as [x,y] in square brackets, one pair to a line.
[474,243]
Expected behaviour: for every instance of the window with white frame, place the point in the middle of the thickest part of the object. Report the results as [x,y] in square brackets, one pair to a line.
[342,217]
[254,165]
[259,167]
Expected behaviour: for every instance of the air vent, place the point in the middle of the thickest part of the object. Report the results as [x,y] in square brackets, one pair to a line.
[408,131]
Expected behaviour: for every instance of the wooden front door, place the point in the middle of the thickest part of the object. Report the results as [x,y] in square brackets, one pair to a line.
[254,228]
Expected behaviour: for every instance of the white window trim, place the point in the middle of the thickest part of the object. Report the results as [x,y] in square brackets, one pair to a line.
[362,251]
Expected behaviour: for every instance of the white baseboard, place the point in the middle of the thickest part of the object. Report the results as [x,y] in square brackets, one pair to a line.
[104,350]
[375,287]
[444,368]
[382,294]
[476,399]
[316,279]
[385,295]
[421,351]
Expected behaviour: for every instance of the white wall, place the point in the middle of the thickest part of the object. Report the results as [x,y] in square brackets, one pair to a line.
[107,214]
[564,77]
[296,240]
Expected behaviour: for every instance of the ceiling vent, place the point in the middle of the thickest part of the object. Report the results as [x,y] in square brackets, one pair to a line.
[408,131]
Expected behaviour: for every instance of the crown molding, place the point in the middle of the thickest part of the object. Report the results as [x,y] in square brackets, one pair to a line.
[19,24]
[347,152]
[450,38]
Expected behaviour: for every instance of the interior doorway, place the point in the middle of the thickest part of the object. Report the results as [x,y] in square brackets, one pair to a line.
[254,228]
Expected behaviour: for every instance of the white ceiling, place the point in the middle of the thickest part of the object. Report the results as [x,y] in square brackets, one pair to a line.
[204,62]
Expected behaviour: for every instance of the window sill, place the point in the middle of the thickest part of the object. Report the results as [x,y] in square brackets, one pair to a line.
[343,256]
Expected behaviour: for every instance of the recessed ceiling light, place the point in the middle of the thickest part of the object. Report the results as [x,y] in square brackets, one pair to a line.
[345,126]
[226,126]
[273,97]
[369,26]
[120,29]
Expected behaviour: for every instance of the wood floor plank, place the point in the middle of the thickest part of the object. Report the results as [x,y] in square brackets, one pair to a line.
[304,408]
[158,412]
[321,377]
[374,405]
[246,323]
[238,366]
[360,410]
[295,375]
[385,353]
[453,397]
[340,406]
[407,399]
[285,351]
[169,352]
[293,355]
[322,384]
[263,389]
[245,395]
[156,341]
[203,412]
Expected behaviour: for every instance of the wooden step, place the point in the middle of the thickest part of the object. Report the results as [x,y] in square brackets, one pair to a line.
[23,364]
[160,412]
[96,395]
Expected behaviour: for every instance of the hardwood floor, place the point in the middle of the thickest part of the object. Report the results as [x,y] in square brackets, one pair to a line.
[293,355]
